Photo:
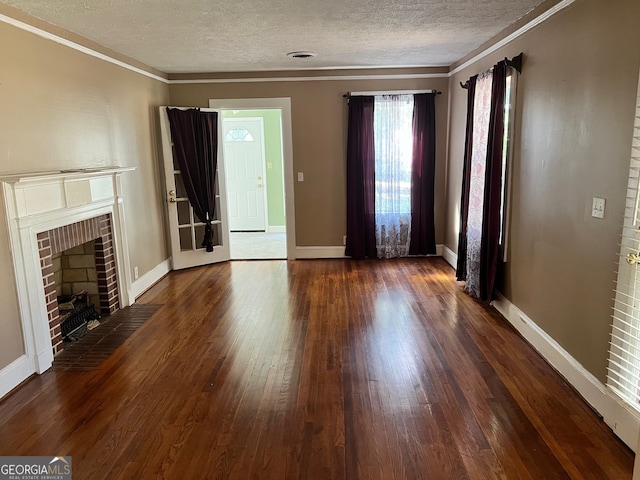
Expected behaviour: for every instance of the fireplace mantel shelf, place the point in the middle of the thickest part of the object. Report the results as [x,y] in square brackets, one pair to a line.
[41,193]
[61,174]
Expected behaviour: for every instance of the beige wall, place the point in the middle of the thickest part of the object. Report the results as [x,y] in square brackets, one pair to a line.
[64,109]
[576,98]
[319,119]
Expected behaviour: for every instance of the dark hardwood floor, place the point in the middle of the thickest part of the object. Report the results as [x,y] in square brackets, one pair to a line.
[320,369]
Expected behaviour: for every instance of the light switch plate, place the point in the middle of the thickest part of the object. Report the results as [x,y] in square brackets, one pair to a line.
[597,207]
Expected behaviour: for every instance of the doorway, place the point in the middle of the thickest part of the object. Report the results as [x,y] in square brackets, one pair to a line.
[257,152]
[245,158]
[623,373]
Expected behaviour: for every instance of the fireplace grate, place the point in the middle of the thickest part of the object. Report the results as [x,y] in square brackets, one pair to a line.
[74,326]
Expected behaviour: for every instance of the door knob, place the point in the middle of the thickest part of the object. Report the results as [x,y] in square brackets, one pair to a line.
[259,185]
[259,178]
[172,200]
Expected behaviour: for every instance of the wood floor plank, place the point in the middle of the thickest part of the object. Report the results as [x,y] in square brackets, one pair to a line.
[327,369]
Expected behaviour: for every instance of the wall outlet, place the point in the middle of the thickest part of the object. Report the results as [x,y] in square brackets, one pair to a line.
[135,273]
[344,240]
[300,177]
[597,207]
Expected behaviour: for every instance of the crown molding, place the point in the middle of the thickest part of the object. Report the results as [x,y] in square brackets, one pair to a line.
[404,76]
[509,38]
[94,53]
[78,47]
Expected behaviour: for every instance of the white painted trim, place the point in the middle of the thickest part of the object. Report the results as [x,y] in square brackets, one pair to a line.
[439,248]
[38,202]
[146,281]
[518,33]
[450,256]
[284,104]
[15,373]
[277,229]
[624,422]
[406,76]
[319,252]
[89,51]
[76,46]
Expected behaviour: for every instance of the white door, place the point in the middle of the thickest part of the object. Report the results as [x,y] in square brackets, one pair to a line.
[185,230]
[244,163]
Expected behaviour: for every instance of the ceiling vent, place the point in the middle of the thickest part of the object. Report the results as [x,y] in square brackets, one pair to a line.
[301,54]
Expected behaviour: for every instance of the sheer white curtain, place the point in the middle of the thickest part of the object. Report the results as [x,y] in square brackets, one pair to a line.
[481,114]
[393,123]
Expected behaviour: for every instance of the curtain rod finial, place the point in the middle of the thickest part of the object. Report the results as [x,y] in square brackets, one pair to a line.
[515,62]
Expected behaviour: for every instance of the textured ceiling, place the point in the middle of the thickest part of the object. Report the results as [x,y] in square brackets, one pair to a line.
[250,35]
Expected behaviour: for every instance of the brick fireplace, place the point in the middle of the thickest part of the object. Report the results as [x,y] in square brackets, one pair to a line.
[58,240]
[48,213]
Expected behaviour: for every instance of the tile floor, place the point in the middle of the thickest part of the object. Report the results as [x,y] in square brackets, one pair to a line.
[258,245]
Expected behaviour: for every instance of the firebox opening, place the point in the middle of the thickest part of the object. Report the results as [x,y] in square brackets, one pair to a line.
[77,292]
[74,271]
[96,231]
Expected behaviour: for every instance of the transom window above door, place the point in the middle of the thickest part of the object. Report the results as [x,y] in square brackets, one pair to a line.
[238,134]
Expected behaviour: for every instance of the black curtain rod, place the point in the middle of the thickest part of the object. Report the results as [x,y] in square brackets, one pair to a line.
[348,94]
[515,62]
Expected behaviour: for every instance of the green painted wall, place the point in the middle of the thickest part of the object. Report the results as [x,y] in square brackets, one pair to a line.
[273,155]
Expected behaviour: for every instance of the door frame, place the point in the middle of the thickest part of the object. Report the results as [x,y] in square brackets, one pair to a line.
[284,105]
[263,161]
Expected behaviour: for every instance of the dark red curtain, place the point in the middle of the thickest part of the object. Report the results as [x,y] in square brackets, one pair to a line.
[423,168]
[461,268]
[195,139]
[491,225]
[361,227]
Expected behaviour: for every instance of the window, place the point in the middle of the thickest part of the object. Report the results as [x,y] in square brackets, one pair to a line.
[393,141]
[392,126]
[238,134]
[507,150]
[391,158]
[484,209]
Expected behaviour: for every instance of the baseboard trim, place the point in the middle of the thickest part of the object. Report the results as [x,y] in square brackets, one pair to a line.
[450,256]
[14,374]
[147,280]
[277,229]
[319,252]
[624,422]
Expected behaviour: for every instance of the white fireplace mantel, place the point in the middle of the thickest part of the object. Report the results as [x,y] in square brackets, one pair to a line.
[41,201]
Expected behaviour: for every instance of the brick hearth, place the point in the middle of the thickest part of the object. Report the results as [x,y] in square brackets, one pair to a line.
[69,236]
